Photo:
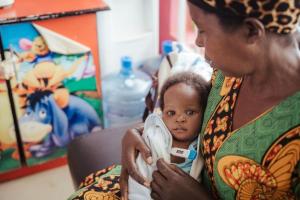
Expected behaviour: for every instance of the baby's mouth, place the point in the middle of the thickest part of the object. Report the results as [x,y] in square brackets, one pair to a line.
[180,129]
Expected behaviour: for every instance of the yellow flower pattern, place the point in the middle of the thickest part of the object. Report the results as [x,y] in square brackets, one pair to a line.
[224,105]
[218,127]
[270,180]
[93,195]
[100,186]
[221,124]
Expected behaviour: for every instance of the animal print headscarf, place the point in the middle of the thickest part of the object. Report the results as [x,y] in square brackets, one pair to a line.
[278,16]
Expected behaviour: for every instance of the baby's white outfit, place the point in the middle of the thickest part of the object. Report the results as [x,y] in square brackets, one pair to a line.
[159,140]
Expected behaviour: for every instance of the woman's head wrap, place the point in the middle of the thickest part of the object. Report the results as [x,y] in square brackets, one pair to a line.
[278,16]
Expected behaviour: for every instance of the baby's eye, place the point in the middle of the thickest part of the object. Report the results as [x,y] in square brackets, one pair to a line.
[170,113]
[189,112]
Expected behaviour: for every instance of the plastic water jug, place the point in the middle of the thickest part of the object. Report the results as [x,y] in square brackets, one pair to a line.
[124,95]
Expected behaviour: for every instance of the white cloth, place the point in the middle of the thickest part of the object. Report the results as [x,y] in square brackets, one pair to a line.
[159,139]
[183,61]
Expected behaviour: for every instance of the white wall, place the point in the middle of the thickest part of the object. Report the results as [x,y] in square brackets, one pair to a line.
[130,28]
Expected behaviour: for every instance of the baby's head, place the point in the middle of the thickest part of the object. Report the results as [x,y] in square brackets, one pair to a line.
[183,101]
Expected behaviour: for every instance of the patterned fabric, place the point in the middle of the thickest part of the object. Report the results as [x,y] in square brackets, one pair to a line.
[101,185]
[279,16]
[258,160]
[220,124]
[271,179]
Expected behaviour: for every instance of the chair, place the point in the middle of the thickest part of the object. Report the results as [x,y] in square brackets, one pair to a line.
[91,152]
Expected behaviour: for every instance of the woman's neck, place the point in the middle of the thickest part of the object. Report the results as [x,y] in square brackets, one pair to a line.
[277,76]
[269,85]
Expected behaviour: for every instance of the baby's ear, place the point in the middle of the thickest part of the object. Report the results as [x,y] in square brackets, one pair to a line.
[254,30]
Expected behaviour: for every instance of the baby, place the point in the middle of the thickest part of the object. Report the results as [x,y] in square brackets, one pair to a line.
[173,136]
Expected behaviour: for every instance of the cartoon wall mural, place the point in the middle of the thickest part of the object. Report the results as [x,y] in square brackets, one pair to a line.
[55,92]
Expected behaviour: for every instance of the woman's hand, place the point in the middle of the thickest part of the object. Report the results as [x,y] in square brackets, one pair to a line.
[171,183]
[132,143]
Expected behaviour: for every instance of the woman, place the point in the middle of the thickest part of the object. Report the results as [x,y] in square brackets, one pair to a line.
[251,129]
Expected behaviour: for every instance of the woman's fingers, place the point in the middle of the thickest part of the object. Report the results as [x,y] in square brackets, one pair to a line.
[170,182]
[158,180]
[136,175]
[128,161]
[165,169]
[141,145]
[178,170]
[131,144]
[155,196]
[145,152]
[124,184]
[157,185]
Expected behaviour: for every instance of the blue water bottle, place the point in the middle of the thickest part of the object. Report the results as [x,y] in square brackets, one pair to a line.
[124,95]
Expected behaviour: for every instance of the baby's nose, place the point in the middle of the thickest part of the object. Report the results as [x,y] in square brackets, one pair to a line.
[181,118]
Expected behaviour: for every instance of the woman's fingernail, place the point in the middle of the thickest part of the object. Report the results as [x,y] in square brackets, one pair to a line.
[149,160]
[147,184]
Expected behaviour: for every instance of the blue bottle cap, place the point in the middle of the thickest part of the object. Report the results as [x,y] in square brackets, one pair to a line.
[167,47]
[126,63]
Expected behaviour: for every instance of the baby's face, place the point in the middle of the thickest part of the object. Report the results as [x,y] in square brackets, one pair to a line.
[182,112]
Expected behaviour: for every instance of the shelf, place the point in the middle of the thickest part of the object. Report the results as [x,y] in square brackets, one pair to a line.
[31,10]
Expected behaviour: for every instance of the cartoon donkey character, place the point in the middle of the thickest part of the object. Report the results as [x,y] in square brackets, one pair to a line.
[52,116]
[45,121]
